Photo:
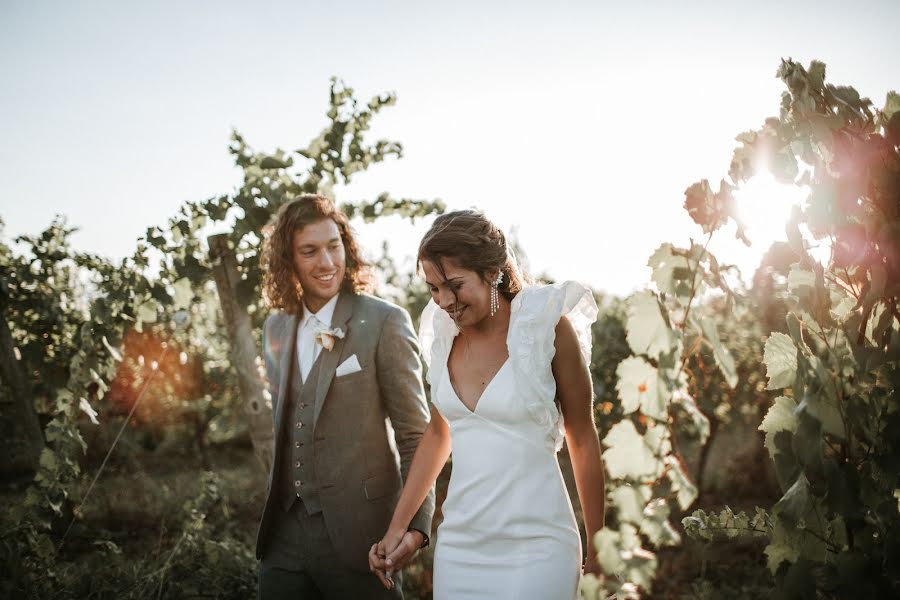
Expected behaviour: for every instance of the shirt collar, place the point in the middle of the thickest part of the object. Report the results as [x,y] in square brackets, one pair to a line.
[325,313]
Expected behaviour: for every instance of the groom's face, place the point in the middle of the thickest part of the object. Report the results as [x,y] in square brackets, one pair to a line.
[319,262]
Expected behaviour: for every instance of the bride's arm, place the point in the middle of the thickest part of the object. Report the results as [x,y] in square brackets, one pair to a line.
[398,543]
[430,457]
[573,388]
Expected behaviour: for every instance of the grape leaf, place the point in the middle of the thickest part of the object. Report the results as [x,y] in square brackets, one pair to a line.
[780,356]
[183,293]
[627,454]
[607,542]
[648,331]
[629,502]
[146,312]
[720,353]
[780,417]
[639,385]
[684,488]
[656,526]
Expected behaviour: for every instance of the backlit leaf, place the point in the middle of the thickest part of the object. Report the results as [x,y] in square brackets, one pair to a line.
[780,356]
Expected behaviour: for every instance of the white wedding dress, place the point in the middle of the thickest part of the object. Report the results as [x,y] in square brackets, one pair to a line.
[509,531]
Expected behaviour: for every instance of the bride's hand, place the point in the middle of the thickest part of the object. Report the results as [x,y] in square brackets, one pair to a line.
[392,553]
[378,555]
[592,566]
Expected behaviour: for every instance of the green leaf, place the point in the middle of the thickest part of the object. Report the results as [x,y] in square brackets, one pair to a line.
[780,417]
[183,294]
[629,502]
[640,568]
[607,542]
[656,526]
[795,502]
[779,551]
[685,490]
[48,460]
[271,162]
[825,410]
[780,356]
[700,421]
[627,454]
[841,310]
[891,104]
[817,74]
[639,385]
[799,277]
[806,442]
[671,272]
[146,312]
[648,330]
[722,355]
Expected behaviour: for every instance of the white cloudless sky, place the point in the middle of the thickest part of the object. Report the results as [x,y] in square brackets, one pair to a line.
[579,124]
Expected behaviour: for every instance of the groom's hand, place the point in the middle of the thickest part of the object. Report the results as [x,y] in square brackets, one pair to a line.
[377,564]
[393,553]
[404,552]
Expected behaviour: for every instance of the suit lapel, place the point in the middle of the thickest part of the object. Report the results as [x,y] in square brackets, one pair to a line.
[288,336]
[329,358]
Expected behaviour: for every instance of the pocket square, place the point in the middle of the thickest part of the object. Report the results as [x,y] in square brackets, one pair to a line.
[351,365]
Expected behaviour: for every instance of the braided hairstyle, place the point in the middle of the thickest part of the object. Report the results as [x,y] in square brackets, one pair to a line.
[474,243]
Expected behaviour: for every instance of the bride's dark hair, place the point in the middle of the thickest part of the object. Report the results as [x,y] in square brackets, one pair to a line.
[473,242]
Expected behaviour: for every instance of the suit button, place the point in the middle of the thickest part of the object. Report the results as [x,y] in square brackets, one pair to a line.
[298,464]
[299,424]
[297,483]
[297,444]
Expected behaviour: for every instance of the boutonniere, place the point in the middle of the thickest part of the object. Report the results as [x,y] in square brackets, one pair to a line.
[325,338]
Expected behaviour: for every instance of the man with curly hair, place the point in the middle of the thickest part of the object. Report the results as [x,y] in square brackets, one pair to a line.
[348,407]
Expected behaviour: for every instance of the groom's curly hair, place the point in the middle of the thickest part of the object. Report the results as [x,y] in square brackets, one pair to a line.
[281,287]
[475,243]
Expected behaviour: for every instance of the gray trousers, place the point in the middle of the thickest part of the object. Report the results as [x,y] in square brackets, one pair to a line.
[299,563]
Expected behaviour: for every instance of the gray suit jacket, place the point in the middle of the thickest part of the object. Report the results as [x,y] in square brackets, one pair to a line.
[359,470]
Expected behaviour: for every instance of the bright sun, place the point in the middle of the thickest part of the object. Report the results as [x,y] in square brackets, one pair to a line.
[764,206]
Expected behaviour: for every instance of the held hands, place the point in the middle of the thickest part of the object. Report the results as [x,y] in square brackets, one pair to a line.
[393,553]
[592,566]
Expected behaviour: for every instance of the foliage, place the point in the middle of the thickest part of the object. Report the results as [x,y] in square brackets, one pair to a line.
[648,475]
[834,433]
[149,326]
[206,559]
[142,340]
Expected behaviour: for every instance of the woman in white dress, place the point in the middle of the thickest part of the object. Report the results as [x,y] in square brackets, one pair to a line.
[509,380]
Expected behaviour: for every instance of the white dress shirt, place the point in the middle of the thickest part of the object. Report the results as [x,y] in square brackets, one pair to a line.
[312,323]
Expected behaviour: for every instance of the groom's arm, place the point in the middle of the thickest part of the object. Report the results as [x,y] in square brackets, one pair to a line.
[400,381]
[271,362]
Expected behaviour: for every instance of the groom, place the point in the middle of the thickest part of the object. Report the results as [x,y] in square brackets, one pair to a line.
[345,377]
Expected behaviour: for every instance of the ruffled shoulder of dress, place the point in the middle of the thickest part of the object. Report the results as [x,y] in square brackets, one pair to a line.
[536,311]
[436,333]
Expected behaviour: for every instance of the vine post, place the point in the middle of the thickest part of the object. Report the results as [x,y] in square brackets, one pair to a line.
[243,350]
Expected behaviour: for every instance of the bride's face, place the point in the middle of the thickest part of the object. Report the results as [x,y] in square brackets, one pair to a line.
[462,293]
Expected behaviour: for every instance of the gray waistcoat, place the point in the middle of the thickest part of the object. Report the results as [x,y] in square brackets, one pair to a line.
[298,474]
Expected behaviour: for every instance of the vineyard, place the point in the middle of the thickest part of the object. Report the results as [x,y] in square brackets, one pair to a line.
[751,433]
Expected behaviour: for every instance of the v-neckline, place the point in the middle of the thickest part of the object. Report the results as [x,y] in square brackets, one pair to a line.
[472,410]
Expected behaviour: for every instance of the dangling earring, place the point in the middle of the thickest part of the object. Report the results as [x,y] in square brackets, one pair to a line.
[495,296]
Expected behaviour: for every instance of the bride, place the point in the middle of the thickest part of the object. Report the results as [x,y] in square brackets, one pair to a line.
[509,379]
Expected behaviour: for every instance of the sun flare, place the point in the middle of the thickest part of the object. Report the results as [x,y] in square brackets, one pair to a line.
[764,206]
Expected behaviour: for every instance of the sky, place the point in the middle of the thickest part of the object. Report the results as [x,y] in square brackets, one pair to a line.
[576,124]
